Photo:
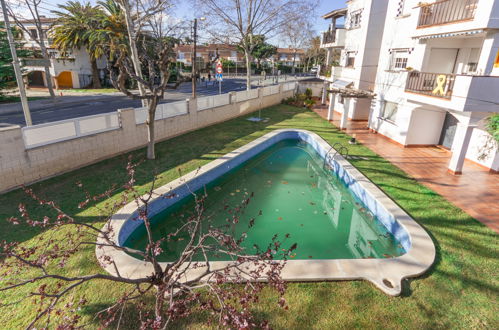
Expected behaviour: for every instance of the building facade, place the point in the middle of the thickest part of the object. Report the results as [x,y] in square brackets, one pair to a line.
[356,33]
[72,70]
[437,79]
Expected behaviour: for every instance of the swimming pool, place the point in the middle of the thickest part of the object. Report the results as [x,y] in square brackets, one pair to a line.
[345,227]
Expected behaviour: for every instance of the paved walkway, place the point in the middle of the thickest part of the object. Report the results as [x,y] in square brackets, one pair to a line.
[475,191]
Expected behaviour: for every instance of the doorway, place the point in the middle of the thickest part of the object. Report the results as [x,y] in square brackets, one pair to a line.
[35,79]
[442,60]
[448,131]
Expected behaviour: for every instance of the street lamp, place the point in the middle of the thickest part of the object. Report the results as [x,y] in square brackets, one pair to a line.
[193,57]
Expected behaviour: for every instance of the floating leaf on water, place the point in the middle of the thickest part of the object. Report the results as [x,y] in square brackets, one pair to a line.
[217,188]
[280,218]
[314,185]
[291,256]
[237,190]
[301,224]
[284,182]
[325,212]
[310,257]
[269,182]
[312,203]
[387,255]
[232,194]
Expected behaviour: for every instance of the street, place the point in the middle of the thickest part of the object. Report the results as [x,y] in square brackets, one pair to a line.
[85,105]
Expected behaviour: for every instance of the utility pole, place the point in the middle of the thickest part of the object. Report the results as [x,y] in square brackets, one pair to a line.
[193,59]
[17,68]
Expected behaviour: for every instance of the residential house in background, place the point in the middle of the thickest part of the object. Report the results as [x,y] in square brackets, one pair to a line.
[438,77]
[288,56]
[71,71]
[358,40]
[207,53]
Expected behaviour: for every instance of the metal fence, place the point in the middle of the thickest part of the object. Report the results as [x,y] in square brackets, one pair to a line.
[213,101]
[431,84]
[163,111]
[39,135]
[446,11]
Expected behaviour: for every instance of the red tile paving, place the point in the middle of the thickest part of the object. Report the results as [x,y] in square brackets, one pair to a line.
[476,191]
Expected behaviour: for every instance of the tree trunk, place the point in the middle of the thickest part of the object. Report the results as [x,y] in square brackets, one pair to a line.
[248,69]
[150,128]
[294,60]
[125,5]
[95,74]
[45,56]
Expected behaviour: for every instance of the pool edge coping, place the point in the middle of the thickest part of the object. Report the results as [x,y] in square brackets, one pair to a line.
[416,261]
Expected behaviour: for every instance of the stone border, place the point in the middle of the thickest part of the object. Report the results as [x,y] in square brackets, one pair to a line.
[386,274]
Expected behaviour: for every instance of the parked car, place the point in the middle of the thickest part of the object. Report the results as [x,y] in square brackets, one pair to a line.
[314,69]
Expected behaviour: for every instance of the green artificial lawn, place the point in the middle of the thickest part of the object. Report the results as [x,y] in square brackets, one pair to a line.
[459,291]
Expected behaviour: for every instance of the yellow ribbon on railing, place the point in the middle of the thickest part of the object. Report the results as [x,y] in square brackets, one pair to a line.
[441,80]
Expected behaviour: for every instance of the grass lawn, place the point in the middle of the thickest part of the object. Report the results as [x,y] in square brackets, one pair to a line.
[460,290]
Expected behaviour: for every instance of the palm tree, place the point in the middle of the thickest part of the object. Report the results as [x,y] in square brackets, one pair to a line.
[75,29]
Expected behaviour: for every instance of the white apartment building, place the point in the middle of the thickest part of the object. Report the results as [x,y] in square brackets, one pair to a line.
[357,40]
[71,71]
[438,77]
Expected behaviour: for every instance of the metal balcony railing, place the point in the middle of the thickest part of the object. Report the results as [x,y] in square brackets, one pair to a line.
[35,62]
[431,84]
[329,37]
[446,11]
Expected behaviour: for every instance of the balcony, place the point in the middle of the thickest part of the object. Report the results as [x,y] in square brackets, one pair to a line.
[446,11]
[430,84]
[333,38]
[35,62]
[451,91]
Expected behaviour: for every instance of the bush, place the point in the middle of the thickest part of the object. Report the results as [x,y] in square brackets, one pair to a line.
[308,93]
[309,103]
[493,126]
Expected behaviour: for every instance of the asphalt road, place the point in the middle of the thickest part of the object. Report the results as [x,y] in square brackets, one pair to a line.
[101,104]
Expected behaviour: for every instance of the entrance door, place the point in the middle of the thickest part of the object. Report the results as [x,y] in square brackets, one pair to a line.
[448,131]
[442,60]
[35,78]
[65,80]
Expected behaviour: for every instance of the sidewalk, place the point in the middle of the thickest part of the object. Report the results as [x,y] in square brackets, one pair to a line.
[475,191]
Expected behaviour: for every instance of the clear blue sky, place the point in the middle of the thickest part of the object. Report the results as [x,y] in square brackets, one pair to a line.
[184,10]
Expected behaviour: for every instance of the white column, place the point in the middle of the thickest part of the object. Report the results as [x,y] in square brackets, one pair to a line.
[324,94]
[330,109]
[351,107]
[460,147]
[344,115]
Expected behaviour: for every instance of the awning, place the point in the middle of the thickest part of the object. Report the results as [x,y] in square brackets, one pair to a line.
[342,84]
[335,13]
[449,34]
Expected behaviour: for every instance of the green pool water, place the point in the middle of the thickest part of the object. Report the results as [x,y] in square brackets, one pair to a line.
[292,194]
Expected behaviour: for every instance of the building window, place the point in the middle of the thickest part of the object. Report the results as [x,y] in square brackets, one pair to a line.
[33,34]
[472,64]
[399,59]
[355,18]
[181,56]
[400,8]
[350,59]
[389,111]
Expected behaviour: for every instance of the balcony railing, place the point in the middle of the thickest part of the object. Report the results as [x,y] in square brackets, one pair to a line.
[329,37]
[36,62]
[446,11]
[431,84]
